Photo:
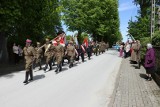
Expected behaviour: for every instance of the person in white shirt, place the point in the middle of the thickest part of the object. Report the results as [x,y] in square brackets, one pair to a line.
[127,50]
[16,53]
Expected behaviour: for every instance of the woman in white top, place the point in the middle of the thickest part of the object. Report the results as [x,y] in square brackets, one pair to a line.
[16,53]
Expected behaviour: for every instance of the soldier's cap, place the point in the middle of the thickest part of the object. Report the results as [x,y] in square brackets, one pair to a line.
[38,43]
[47,39]
[28,41]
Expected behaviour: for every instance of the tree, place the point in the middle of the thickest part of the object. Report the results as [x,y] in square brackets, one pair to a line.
[9,12]
[22,19]
[99,18]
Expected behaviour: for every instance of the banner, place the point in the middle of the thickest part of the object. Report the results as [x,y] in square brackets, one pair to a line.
[85,42]
[61,38]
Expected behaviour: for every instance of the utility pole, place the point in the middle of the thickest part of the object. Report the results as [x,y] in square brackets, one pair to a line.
[158,17]
[153,17]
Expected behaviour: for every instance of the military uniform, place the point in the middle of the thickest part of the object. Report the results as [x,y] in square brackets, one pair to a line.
[29,54]
[59,53]
[71,53]
[89,51]
[39,55]
[48,54]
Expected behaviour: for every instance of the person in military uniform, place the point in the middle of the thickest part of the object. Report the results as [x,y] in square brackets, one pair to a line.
[97,48]
[39,55]
[48,54]
[70,52]
[29,55]
[59,53]
[89,51]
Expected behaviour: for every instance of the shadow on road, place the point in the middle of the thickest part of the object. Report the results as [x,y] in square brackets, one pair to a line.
[144,76]
[38,77]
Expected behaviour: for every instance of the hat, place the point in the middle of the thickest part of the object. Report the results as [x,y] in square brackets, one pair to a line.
[38,43]
[28,41]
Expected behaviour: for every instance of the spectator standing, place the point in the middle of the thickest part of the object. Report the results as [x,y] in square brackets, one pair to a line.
[16,53]
[149,61]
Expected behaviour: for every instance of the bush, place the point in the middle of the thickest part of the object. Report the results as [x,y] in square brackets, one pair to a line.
[156,39]
[144,42]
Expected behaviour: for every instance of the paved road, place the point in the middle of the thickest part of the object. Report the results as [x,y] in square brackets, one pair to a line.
[89,84]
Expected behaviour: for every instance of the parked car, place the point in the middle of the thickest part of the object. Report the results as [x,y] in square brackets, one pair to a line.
[116,47]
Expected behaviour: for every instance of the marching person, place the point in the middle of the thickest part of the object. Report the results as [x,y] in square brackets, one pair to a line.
[70,52]
[48,54]
[82,50]
[39,55]
[59,54]
[29,54]
[89,51]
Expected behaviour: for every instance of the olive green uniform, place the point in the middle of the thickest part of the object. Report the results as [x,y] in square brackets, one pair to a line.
[29,55]
[71,54]
[48,55]
[39,55]
[59,53]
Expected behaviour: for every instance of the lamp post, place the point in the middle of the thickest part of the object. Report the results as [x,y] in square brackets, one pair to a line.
[153,18]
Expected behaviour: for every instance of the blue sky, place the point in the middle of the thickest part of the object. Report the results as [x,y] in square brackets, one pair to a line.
[126,9]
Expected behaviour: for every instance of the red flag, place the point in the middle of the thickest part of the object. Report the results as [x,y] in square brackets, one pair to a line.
[85,41]
[61,38]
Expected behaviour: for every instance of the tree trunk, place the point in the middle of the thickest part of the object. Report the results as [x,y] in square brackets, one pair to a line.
[3,48]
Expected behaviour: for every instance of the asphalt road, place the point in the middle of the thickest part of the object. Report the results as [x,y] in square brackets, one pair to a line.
[88,84]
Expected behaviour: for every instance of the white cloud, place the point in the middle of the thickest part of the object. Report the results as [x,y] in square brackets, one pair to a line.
[126,6]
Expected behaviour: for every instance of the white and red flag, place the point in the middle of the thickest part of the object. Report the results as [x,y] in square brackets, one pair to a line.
[61,38]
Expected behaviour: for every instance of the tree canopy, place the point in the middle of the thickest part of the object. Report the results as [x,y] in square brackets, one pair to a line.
[99,18]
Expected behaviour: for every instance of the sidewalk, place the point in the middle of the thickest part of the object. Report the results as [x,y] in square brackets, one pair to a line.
[132,90]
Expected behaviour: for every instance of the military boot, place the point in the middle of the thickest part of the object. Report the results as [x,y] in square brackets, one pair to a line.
[31,75]
[45,68]
[26,77]
[57,69]
[50,65]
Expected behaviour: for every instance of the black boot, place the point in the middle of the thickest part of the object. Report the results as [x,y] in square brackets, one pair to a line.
[60,67]
[40,67]
[50,65]
[57,69]
[31,75]
[26,77]
[45,68]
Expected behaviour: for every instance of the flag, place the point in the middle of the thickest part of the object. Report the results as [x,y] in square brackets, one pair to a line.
[85,41]
[61,38]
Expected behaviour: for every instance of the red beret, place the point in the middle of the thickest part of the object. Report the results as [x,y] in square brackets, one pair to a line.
[28,41]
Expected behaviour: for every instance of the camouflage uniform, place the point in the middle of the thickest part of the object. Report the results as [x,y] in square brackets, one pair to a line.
[29,55]
[48,54]
[71,53]
[39,55]
[59,54]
